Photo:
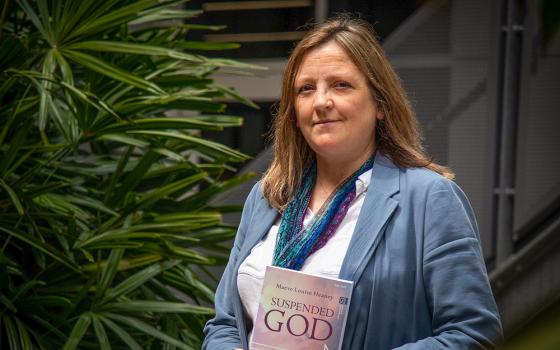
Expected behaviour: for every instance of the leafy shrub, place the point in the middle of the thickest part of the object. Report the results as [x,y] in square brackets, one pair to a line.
[104,223]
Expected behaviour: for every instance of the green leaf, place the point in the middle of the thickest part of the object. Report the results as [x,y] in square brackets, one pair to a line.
[204,27]
[113,18]
[170,154]
[215,234]
[16,111]
[191,287]
[121,166]
[90,99]
[67,74]
[201,45]
[199,219]
[163,123]
[189,255]
[40,246]
[78,13]
[125,264]
[164,14]
[163,171]
[48,326]
[49,66]
[141,306]
[137,232]
[137,280]
[164,191]
[46,16]
[109,271]
[11,332]
[213,148]
[134,177]
[78,332]
[32,15]
[7,303]
[171,328]
[14,151]
[13,197]
[42,189]
[47,301]
[121,333]
[133,48]
[201,198]
[149,330]
[23,288]
[101,67]
[231,92]
[60,205]
[179,100]
[224,62]
[102,338]
[123,139]
[90,203]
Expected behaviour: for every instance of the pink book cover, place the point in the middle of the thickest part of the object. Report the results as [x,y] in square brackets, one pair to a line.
[301,311]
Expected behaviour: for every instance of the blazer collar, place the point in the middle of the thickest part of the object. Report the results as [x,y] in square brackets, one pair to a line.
[376,211]
[263,218]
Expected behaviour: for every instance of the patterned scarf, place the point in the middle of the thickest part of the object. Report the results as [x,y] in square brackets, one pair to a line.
[295,242]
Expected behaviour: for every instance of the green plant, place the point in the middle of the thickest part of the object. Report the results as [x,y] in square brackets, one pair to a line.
[105,230]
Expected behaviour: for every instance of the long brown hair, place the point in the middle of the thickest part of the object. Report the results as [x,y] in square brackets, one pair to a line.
[397,134]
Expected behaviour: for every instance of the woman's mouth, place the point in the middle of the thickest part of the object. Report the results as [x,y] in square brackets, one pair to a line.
[325,122]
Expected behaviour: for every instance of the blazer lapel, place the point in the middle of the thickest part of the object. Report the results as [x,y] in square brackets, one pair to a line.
[375,213]
[263,218]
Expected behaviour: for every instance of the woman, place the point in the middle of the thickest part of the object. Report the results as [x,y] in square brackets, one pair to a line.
[347,154]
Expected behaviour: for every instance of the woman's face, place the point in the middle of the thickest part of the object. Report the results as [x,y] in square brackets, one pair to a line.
[335,108]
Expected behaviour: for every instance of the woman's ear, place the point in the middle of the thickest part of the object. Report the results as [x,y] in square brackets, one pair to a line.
[379,113]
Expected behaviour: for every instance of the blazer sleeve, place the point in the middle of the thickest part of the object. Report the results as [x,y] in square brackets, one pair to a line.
[464,313]
[221,332]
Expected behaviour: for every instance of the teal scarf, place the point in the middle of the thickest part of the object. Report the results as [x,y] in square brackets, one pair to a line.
[295,242]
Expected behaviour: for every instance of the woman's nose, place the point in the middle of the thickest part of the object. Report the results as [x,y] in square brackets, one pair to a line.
[322,100]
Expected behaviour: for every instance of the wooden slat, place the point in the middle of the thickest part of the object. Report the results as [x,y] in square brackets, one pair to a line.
[254,5]
[255,37]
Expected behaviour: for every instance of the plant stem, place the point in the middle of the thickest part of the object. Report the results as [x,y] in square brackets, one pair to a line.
[3,16]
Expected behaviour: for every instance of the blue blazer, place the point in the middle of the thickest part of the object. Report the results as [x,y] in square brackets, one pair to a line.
[420,280]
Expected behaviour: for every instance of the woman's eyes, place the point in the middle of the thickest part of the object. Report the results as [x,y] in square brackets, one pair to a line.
[305,88]
[337,85]
[342,85]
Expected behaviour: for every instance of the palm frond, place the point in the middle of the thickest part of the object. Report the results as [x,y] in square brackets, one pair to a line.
[105,214]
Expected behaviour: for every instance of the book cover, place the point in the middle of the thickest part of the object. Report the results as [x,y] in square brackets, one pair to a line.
[300,311]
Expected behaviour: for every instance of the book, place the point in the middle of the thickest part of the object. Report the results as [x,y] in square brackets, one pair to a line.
[300,311]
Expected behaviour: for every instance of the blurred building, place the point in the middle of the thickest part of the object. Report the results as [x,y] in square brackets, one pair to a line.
[484,78]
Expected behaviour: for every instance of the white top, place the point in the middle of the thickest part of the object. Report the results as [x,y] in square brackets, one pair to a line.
[324,262]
